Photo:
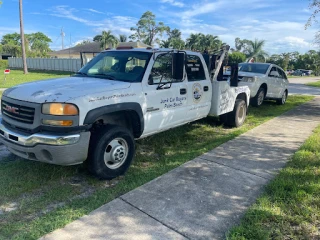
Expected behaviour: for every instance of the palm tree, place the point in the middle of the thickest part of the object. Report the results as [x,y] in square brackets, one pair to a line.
[254,50]
[23,48]
[107,39]
[165,44]
[193,41]
[209,42]
[122,38]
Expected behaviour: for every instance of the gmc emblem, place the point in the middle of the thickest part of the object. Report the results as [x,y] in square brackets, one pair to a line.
[11,109]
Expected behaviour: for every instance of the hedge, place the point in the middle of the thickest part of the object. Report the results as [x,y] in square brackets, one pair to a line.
[4,64]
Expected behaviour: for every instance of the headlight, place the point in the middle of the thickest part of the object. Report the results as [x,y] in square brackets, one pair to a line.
[60,109]
[249,79]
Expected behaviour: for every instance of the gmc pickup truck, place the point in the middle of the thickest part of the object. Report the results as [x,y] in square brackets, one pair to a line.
[120,95]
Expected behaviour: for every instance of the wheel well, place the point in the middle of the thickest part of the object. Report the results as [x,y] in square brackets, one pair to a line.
[265,87]
[127,119]
[243,96]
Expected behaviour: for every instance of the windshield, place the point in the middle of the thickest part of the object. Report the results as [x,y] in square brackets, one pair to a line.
[127,66]
[255,68]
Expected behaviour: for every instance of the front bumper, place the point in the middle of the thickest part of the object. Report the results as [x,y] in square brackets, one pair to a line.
[60,149]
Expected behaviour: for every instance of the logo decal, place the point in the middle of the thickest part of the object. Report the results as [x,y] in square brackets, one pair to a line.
[197,92]
[11,109]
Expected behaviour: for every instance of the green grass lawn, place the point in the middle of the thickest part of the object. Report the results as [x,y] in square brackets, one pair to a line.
[42,197]
[17,77]
[290,206]
[314,84]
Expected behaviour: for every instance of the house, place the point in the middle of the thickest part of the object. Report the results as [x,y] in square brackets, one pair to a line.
[74,52]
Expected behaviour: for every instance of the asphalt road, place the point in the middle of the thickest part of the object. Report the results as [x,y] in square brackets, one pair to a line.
[297,86]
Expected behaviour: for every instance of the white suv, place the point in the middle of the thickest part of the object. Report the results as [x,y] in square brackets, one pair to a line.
[265,80]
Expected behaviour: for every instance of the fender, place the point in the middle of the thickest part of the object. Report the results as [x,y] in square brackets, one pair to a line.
[94,114]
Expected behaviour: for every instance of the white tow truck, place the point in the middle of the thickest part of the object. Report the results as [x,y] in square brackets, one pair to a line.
[120,95]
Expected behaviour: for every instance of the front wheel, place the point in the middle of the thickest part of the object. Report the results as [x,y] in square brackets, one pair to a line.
[258,99]
[283,99]
[111,151]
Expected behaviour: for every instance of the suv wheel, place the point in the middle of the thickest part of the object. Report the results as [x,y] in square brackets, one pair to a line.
[111,151]
[283,99]
[259,98]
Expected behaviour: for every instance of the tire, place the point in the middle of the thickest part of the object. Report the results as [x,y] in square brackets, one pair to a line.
[111,151]
[237,117]
[258,99]
[283,99]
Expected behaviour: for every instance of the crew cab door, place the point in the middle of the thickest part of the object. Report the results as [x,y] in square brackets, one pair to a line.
[165,98]
[199,84]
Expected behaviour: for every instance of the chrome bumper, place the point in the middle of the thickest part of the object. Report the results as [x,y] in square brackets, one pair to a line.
[28,140]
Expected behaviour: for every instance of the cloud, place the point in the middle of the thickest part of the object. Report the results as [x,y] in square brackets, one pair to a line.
[69,13]
[201,8]
[173,3]
[294,42]
[93,10]
[118,24]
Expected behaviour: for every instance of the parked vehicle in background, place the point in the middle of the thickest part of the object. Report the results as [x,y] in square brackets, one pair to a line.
[120,95]
[265,81]
[297,73]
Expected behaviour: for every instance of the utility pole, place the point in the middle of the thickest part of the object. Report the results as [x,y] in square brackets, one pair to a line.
[23,47]
[62,38]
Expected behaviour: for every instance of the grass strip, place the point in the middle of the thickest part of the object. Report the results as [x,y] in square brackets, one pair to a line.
[290,205]
[17,77]
[314,84]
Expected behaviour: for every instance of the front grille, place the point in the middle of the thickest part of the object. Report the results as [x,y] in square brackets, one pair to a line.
[17,112]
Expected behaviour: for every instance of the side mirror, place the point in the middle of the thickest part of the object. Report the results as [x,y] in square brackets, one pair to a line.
[274,74]
[178,62]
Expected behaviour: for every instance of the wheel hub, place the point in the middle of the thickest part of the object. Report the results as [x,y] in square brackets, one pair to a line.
[241,114]
[260,98]
[284,97]
[116,153]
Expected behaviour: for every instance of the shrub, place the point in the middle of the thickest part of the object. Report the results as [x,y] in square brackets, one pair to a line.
[4,64]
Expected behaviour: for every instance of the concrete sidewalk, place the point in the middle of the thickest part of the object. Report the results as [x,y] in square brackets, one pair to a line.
[205,197]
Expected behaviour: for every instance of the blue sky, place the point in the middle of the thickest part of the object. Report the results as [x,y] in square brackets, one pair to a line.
[279,22]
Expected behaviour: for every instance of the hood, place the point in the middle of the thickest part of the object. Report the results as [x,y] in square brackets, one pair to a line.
[250,74]
[62,89]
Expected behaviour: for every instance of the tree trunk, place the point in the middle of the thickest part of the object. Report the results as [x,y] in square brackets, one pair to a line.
[23,47]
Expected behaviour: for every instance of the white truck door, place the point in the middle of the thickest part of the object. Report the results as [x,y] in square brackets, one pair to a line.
[199,84]
[166,101]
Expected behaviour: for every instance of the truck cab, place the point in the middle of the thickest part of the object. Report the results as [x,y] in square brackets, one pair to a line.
[120,95]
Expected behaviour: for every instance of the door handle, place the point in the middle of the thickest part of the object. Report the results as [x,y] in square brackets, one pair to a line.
[183,91]
[205,88]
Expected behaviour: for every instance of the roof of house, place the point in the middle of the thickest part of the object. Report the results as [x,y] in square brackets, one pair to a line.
[89,47]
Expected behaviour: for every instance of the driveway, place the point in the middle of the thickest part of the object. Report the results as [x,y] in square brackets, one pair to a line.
[297,86]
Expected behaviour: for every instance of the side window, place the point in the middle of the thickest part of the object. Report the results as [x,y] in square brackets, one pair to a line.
[194,67]
[273,69]
[161,70]
[282,74]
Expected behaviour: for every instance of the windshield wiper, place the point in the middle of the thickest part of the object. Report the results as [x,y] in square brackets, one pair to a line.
[105,75]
